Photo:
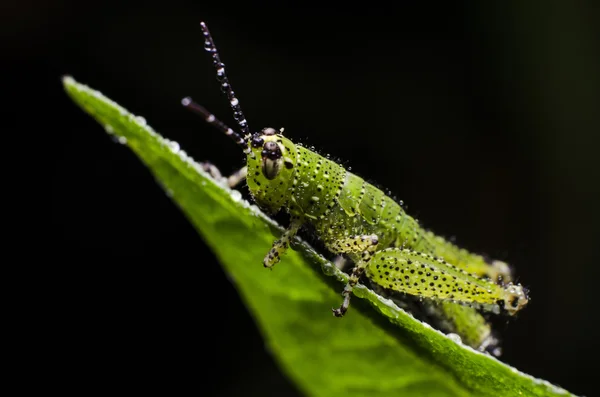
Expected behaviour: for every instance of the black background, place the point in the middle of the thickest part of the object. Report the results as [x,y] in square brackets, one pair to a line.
[484,119]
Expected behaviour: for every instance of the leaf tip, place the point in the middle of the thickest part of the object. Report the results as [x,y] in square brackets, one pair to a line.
[67,80]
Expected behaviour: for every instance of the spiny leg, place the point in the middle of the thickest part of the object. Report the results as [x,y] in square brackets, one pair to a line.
[232,181]
[280,246]
[365,246]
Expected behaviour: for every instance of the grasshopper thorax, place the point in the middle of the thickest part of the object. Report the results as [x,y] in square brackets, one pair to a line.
[271,161]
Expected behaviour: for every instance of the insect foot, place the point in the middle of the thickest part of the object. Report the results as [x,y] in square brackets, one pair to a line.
[280,246]
[340,311]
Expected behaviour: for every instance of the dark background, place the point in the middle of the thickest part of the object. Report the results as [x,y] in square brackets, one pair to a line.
[484,119]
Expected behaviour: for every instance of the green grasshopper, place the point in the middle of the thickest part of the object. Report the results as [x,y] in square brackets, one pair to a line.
[353,218]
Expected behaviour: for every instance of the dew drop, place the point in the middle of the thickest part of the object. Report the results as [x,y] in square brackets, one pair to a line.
[455,337]
[328,269]
[174,146]
[141,121]
[236,195]
[497,352]
[119,139]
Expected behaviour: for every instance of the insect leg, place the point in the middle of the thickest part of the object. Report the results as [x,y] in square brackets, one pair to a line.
[281,245]
[237,177]
[232,181]
[366,247]
[212,170]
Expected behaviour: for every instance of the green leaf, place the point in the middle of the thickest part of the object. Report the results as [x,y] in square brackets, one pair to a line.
[377,349]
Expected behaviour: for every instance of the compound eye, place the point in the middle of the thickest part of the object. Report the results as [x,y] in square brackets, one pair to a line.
[257,141]
[272,160]
[271,151]
[268,131]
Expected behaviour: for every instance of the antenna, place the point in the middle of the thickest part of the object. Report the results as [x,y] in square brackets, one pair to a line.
[218,124]
[209,46]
